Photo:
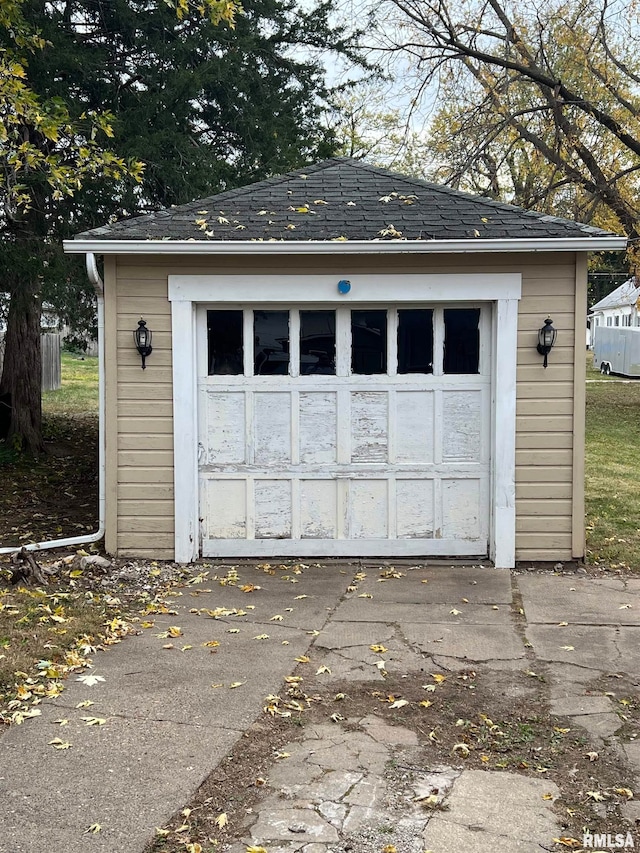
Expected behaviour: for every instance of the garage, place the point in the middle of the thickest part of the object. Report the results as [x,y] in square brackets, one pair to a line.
[342,362]
[338,430]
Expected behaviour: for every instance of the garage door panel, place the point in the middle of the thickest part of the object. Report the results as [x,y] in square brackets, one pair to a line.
[368,516]
[414,426]
[414,509]
[224,424]
[272,427]
[369,426]
[318,427]
[461,509]
[225,508]
[318,509]
[272,509]
[462,426]
[341,463]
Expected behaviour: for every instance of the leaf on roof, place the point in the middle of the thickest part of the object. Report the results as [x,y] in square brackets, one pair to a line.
[390,231]
[339,239]
[320,201]
[291,227]
[351,204]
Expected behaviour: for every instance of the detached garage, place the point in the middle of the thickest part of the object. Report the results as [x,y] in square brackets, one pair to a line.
[344,362]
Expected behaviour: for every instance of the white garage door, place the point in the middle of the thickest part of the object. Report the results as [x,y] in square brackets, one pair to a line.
[344,431]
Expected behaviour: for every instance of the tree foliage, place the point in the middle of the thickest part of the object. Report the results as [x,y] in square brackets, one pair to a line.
[538,102]
[114,107]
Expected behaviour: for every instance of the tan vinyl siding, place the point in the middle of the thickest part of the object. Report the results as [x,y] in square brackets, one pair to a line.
[544,416]
[144,418]
[140,426]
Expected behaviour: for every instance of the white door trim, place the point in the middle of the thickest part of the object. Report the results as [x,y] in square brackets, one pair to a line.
[503,289]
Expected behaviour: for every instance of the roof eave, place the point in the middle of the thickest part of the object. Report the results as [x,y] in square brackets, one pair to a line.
[357,247]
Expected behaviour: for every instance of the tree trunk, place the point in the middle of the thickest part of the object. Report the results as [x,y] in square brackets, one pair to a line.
[22,368]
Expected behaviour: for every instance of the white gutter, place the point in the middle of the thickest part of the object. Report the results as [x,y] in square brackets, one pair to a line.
[346,247]
[94,278]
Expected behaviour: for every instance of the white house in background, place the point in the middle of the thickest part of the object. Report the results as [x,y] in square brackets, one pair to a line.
[618,308]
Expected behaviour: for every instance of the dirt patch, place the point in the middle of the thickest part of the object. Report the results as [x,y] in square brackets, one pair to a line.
[475,719]
[55,496]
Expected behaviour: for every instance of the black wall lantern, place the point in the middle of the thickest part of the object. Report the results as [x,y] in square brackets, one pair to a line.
[546,339]
[142,337]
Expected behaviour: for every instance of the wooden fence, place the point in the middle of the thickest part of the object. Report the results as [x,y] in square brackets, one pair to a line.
[51,363]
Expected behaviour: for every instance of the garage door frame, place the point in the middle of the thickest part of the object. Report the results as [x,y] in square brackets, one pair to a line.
[502,290]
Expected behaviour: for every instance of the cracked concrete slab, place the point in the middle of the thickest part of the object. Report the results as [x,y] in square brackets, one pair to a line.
[439,585]
[549,599]
[490,811]
[166,726]
[604,648]
[466,642]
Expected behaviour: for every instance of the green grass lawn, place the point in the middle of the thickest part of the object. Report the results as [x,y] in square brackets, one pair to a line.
[79,392]
[613,471]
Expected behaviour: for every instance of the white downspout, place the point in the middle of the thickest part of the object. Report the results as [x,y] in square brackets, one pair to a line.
[96,281]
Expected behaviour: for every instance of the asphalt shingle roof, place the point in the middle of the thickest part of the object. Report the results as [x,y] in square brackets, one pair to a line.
[342,199]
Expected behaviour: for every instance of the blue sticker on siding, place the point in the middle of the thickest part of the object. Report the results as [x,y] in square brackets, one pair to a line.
[344,286]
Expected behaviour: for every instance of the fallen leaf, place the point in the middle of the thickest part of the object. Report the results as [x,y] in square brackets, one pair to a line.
[562,624]
[425,703]
[461,749]
[624,792]
[186,648]
[303,659]
[94,721]
[378,648]
[222,820]
[547,796]
[322,669]
[174,631]
[567,841]
[249,587]
[438,677]
[58,743]
[389,848]
[399,703]
[95,827]
[194,847]
[625,606]
[596,795]
[592,756]
[89,679]
[62,722]
[568,648]
[254,849]
[276,618]
[86,704]
[299,597]
[147,624]
[235,684]
[261,637]
[455,612]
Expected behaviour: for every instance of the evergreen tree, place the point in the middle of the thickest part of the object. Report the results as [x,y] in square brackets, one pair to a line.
[204,106]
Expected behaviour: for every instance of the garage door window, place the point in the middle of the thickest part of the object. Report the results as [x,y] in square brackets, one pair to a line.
[461,340]
[342,342]
[317,343]
[224,343]
[415,340]
[368,342]
[271,343]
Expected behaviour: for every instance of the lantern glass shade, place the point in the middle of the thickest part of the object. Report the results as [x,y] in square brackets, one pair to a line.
[547,336]
[142,335]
